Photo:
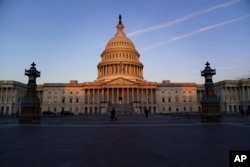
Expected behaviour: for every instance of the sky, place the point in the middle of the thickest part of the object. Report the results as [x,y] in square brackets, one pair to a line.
[175,38]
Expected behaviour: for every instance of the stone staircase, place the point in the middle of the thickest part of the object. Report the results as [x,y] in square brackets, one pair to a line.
[121,109]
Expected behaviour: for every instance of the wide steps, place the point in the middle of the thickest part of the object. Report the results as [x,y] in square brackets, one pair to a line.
[121,108]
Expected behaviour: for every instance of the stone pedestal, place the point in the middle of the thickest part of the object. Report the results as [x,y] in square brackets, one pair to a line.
[30,104]
[30,110]
[210,109]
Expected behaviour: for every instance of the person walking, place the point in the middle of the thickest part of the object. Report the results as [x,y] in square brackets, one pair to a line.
[146,112]
[113,114]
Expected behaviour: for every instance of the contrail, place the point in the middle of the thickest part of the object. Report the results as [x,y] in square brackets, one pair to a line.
[195,32]
[187,17]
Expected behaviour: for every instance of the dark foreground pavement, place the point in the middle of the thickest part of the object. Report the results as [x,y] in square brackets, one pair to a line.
[138,142]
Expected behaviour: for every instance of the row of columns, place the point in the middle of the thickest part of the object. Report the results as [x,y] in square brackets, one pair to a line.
[127,69]
[232,97]
[200,94]
[236,92]
[144,95]
[8,104]
[6,94]
[120,56]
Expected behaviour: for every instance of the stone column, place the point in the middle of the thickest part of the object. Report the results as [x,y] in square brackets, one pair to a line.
[142,95]
[102,92]
[107,70]
[112,95]
[108,94]
[83,97]
[125,69]
[94,96]
[89,96]
[137,94]
[132,92]
[123,99]
[98,96]
[129,69]
[151,95]
[147,96]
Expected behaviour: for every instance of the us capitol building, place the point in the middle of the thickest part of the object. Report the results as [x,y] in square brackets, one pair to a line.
[120,84]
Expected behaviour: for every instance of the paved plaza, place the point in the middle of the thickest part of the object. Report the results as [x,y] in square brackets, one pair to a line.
[132,141]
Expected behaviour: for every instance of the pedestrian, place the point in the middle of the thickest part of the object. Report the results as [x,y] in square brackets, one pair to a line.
[113,114]
[146,112]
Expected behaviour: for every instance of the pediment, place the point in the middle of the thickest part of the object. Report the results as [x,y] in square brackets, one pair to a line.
[120,81]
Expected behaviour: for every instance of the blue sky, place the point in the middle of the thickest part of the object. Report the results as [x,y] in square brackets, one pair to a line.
[175,38]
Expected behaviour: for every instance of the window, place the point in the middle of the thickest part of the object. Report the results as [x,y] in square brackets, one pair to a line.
[49,100]
[190,98]
[63,100]
[184,98]
[55,99]
[176,99]
[163,100]
[169,108]
[169,99]
[70,100]
[77,100]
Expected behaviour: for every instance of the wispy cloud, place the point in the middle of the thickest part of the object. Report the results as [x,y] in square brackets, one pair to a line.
[179,20]
[194,33]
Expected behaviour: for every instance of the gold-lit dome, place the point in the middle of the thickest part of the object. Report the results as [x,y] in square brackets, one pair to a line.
[120,58]
[120,39]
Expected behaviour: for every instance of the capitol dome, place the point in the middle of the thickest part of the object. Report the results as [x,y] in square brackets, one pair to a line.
[120,39]
[120,58]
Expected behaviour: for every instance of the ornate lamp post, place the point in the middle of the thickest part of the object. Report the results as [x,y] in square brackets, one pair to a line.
[209,102]
[30,104]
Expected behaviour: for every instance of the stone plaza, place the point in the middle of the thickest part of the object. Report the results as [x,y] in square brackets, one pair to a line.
[132,140]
